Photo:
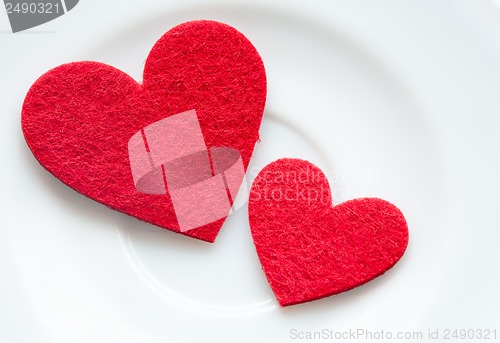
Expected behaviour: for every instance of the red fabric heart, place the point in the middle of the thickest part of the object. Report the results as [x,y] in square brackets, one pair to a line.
[78,118]
[309,249]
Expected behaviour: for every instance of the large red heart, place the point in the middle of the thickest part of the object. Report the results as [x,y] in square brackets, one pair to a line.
[79,117]
[309,249]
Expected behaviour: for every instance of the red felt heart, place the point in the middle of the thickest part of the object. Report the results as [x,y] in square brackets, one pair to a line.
[309,249]
[78,118]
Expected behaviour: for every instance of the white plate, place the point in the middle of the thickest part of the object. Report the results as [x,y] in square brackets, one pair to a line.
[394,100]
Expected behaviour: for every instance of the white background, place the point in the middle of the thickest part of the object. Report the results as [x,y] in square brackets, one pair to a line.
[395,99]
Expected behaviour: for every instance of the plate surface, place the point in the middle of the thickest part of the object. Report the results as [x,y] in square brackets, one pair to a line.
[398,101]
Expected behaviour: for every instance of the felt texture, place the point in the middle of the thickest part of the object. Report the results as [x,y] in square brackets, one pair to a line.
[78,118]
[310,249]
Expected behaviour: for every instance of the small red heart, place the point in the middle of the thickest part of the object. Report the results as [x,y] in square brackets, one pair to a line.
[309,249]
[78,118]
